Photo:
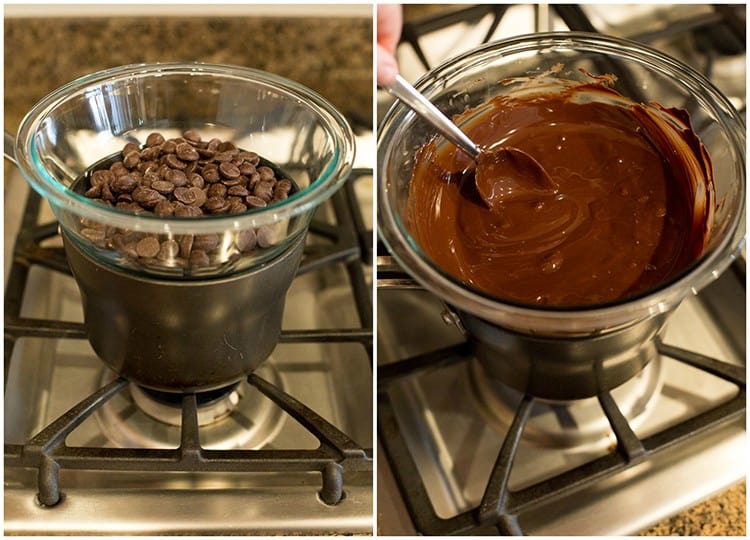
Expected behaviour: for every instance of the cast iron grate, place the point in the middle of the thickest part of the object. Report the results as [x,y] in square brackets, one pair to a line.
[717,32]
[349,243]
[500,507]
[720,31]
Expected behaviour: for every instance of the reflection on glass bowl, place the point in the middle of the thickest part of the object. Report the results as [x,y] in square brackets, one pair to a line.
[94,117]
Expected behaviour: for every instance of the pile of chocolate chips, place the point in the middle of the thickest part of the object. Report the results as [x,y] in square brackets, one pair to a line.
[184,177]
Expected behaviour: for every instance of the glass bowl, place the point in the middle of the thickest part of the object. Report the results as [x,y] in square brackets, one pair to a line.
[94,117]
[643,74]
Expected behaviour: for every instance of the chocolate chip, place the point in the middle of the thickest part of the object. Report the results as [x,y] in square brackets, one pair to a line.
[154,139]
[107,194]
[186,152]
[176,177]
[129,250]
[168,250]
[266,173]
[206,242]
[131,159]
[191,196]
[283,185]
[247,168]
[124,184]
[130,207]
[253,180]
[94,192]
[211,173]
[147,197]
[198,259]
[223,157]
[206,153]
[168,147]
[263,190]
[191,135]
[163,186]
[118,169]
[229,170]
[91,223]
[217,190]
[250,157]
[95,235]
[183,177]
[196,180]
[238,191]
[214,144]
[199,195]
[247,240]
[186,195]
[183,210]
[229,182]
[164,208]
[150,153]
[128,148]
[255,202]
[237,207]
[173,161]
[186,244]
[148,247]
[101,177]
[216,205]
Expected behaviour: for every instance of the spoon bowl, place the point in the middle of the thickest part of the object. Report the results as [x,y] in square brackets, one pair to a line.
[502,174]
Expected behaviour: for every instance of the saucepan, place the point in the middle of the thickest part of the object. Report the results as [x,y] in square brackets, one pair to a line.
[552,352]
[162,321]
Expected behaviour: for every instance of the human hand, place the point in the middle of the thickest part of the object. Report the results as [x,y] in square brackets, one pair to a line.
[389,20]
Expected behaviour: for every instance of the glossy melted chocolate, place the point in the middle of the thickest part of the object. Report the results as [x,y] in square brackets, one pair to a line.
[630,203]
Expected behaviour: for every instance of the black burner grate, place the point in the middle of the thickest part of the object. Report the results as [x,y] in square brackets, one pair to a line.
[498,511]
[349,244]
[500,507]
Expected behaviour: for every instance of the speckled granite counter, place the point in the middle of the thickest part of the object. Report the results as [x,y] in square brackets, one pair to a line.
[333,56]
[721,515]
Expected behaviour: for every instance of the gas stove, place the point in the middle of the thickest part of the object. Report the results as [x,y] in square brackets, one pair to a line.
[464,454]
[286,451]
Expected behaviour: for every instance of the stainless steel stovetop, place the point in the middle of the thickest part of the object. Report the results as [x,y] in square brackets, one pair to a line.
[442,424]
[454,422]
[322,367]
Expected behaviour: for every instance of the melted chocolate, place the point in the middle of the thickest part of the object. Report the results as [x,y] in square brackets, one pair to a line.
[631,205]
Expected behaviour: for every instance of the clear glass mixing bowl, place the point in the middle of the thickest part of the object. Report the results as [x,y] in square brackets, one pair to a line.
[644,74]
[94,117]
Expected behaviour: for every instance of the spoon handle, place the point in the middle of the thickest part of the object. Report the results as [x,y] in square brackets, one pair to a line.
[9,143]
[424,108]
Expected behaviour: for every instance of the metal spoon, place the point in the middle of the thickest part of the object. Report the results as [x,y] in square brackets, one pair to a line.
[502,173]
[9,144]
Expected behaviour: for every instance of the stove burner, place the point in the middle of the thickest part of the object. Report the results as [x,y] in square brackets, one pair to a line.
[166,407]
[580,423]
[236,416]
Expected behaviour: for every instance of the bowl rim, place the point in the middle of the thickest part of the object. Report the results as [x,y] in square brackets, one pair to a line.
[61,196]
[554,319]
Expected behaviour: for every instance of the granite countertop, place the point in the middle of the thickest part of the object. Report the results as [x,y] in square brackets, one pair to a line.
[332,56]
[721,515]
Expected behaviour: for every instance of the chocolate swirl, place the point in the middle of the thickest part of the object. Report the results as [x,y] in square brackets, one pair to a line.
[632,205]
